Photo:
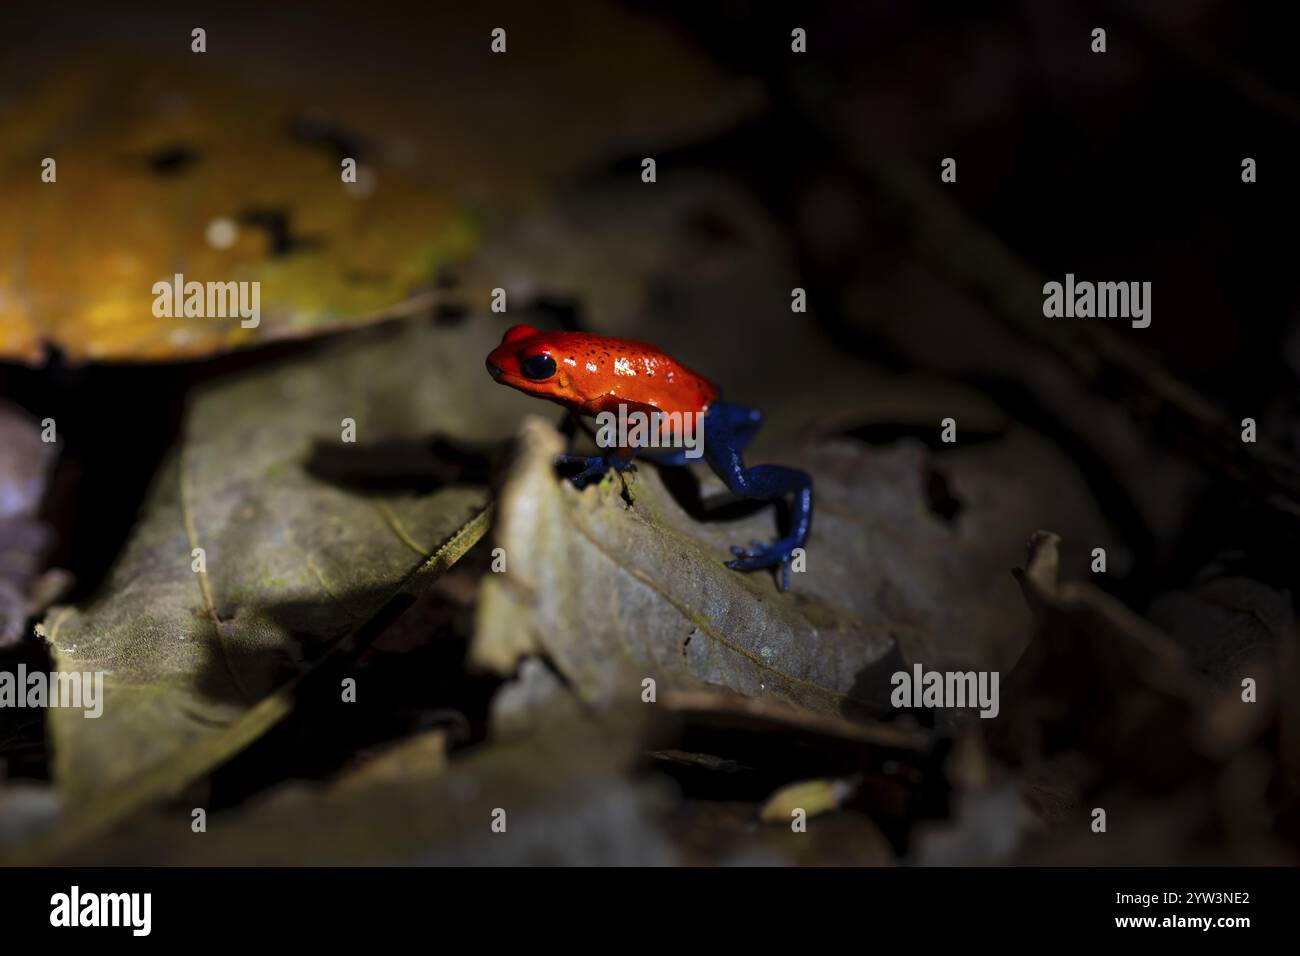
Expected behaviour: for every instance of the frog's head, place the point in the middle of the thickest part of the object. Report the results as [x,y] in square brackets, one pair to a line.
[526,360]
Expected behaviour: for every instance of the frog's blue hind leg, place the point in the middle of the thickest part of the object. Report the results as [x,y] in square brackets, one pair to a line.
[745,422]
[727,430]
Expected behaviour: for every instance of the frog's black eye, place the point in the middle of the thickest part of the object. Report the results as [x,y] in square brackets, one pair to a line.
[537,367]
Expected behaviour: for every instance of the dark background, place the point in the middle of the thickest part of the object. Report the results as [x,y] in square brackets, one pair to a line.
[1123,167]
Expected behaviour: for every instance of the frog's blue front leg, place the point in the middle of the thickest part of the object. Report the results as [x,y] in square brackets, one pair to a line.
[594,466]
[727,430]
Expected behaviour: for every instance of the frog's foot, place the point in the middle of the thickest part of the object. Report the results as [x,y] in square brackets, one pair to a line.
[759,555]
[594,466]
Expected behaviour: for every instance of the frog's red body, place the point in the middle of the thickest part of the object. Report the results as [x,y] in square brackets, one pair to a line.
[591,374]
[597,373]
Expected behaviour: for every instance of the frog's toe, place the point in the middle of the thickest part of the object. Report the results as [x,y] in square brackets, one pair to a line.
[592,467]
[766,556]
[777,554]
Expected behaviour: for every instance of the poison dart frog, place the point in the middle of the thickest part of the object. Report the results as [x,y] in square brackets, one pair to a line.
[590,374]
